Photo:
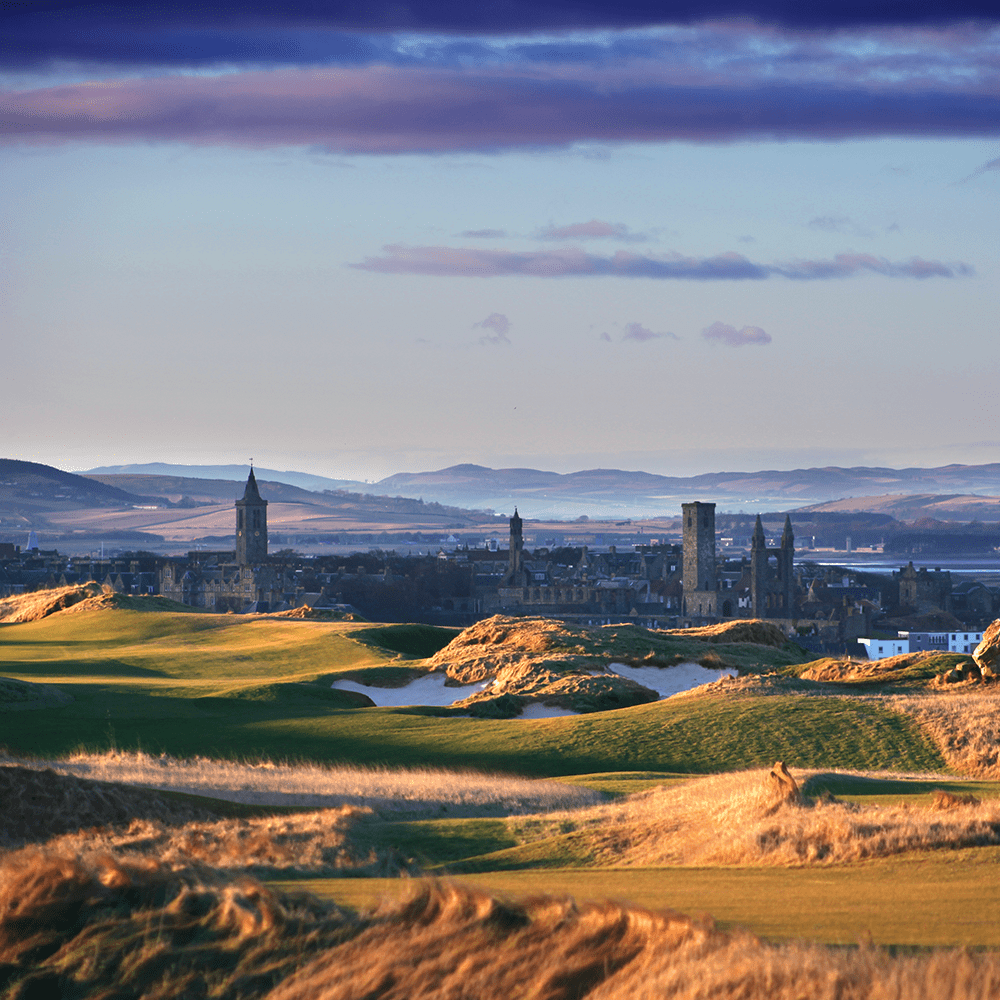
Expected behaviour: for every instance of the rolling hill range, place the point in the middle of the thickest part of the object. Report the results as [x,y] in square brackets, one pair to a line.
[615,493]
[612,492]
[68,510]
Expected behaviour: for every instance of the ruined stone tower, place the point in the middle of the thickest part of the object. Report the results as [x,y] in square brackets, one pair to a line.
[700,594]
[251,525]
[772,590]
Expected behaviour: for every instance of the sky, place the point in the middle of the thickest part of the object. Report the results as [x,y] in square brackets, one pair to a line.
[356,239]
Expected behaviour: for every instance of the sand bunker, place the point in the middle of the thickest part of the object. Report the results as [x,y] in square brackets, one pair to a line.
[428,690]
[667,681]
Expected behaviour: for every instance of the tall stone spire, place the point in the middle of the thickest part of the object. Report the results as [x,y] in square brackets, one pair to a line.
[251,525]
[758,541]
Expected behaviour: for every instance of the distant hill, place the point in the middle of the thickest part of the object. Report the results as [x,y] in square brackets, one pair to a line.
[913,507]
[29,489]
[611,493]
[203,490]
[614,491]
[236,473]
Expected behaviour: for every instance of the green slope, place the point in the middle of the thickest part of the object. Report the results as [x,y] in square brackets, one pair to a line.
[221,685]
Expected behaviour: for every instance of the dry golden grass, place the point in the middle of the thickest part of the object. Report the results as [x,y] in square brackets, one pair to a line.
[746,818]
[313,843]
[753,630]
[830,669]
[73,815]
[447,943]
[42,603]
[964,725]
[548,661]
[92,927]
[413,791]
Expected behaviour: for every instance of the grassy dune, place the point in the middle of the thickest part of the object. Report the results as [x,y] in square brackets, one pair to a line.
[231,687]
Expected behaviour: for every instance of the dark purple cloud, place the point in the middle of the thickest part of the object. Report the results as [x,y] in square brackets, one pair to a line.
[498,324]
[471,262]
[593,230]
[636,331]
[56,27]
[723,333]
[390,110]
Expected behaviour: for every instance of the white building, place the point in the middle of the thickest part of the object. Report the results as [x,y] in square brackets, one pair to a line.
[879,649]
[964,642]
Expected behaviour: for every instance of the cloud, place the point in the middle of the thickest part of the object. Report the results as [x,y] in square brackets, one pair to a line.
[129,31]
[605,336]
[837,224]
[723,333]
[390,110]
[593,230]
[636,331]
[989,167]
[484,234]
[499,324]
[574,262]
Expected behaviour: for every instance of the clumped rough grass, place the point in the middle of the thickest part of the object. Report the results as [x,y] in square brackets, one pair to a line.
[321,843]
[417,791]
[447,941]
[742,819]
[91,926]
[483,649]
[964,726]
[42,603]
[907,668]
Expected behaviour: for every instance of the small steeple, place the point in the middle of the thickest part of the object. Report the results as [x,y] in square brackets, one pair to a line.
[787,536]
[251,492]
[758,541]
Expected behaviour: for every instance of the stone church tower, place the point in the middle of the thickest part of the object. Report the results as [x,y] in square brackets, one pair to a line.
[251,525]
[516,565]
[701,598]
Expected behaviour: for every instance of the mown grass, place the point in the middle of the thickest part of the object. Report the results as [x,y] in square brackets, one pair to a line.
[695,735]
[182,646]
[226,686]
[418,641]
[913,901]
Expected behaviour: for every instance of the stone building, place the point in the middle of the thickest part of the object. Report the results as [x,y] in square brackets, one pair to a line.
[701,596]
[924,589]
[772,574]
[227,581]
